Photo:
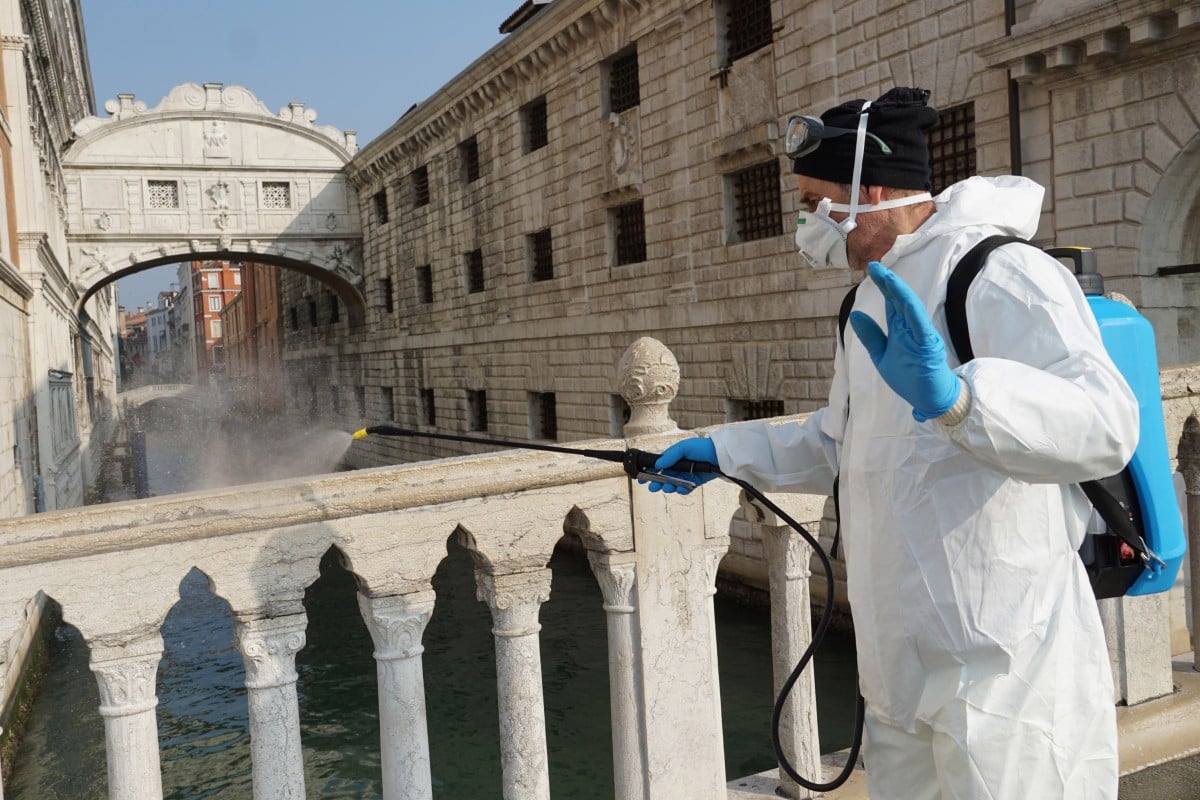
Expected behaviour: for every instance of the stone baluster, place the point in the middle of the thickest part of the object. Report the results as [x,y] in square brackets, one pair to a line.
[269,647]
[126,673]
[1189,466]
[516,600]
[791,633]
[617,575]
[397,624]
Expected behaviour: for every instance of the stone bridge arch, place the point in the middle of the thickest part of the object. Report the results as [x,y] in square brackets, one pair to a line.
[211,173]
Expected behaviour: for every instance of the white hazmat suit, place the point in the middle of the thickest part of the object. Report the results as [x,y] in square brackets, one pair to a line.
[980,651]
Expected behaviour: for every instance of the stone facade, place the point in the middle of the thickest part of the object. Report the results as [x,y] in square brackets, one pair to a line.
[58,383]
[456,199]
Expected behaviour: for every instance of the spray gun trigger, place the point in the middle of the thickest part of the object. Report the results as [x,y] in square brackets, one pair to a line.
[662,477]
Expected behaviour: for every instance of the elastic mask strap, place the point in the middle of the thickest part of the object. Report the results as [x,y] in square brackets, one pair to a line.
[860,144]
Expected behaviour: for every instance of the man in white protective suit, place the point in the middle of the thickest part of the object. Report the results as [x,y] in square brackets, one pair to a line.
[980,650]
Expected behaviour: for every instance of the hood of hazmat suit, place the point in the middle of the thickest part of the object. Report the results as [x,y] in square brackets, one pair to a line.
[972,612]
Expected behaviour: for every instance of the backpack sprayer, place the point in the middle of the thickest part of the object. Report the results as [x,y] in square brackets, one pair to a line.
[639,465]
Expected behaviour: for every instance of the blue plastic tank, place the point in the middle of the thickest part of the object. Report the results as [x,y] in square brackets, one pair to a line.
[1129,339]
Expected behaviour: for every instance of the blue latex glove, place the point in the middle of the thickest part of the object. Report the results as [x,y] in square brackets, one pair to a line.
[694,449]
[911,357]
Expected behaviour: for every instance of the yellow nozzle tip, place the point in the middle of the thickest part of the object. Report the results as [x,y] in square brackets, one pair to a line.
[360,434]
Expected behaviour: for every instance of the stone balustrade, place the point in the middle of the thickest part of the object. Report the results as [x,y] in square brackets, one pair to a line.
[115,571]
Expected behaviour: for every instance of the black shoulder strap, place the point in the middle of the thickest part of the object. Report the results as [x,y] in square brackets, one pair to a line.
[844,313]
[960,339]
[956,292]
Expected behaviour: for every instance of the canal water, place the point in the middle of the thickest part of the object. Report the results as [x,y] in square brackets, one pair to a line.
[202,717]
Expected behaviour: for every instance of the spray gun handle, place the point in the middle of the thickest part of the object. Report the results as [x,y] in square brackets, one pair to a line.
[639,461]
[1083,261]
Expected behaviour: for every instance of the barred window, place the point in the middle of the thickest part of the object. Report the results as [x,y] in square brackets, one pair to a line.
[952,146]
[428,414]
[477,419]
[543,418]
[385,289]
[758,208]
[738,410]
[534,122]
[474,267]
[541,255]
[624,91]
[420,183]
[380,201]
[387,402]
[468,156]
[747,27]
[276,194]
[163,194]
[629,229]
[425,284]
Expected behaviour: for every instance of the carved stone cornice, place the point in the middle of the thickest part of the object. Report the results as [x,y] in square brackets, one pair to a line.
[515,600]
[14,41]
[269,648]
[397,623]
[1060,39]
[538,47]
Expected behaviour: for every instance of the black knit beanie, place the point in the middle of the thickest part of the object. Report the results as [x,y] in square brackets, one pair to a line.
[900,118]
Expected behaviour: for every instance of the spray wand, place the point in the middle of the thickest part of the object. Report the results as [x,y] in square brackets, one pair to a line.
[639,465]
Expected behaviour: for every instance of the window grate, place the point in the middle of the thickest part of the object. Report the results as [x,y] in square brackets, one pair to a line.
[385,288]
[381,206]
[537,132]
[425,284]
[477,419]
[276,194]
[543,417]
[468,154]
[952,146]
[388,401]
[420,183]
[428,413]
[630,223]
[748,27]
[541,251]
[474,264]
[754,409]
[624,92]
[757,204]
[163,194]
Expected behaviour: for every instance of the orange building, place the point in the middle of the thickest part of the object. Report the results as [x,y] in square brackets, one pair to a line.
[253,328]
[214,285]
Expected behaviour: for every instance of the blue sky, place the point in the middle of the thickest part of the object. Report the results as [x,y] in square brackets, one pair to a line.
[359,63]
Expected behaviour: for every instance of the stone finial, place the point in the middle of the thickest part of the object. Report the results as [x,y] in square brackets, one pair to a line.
[648,378]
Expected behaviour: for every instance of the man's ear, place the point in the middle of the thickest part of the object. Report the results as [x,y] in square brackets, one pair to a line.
[872,194]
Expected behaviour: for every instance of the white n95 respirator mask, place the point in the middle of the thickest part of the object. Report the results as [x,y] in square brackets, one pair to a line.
[821,241]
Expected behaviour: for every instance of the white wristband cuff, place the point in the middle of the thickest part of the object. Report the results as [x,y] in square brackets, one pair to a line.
[957,412]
